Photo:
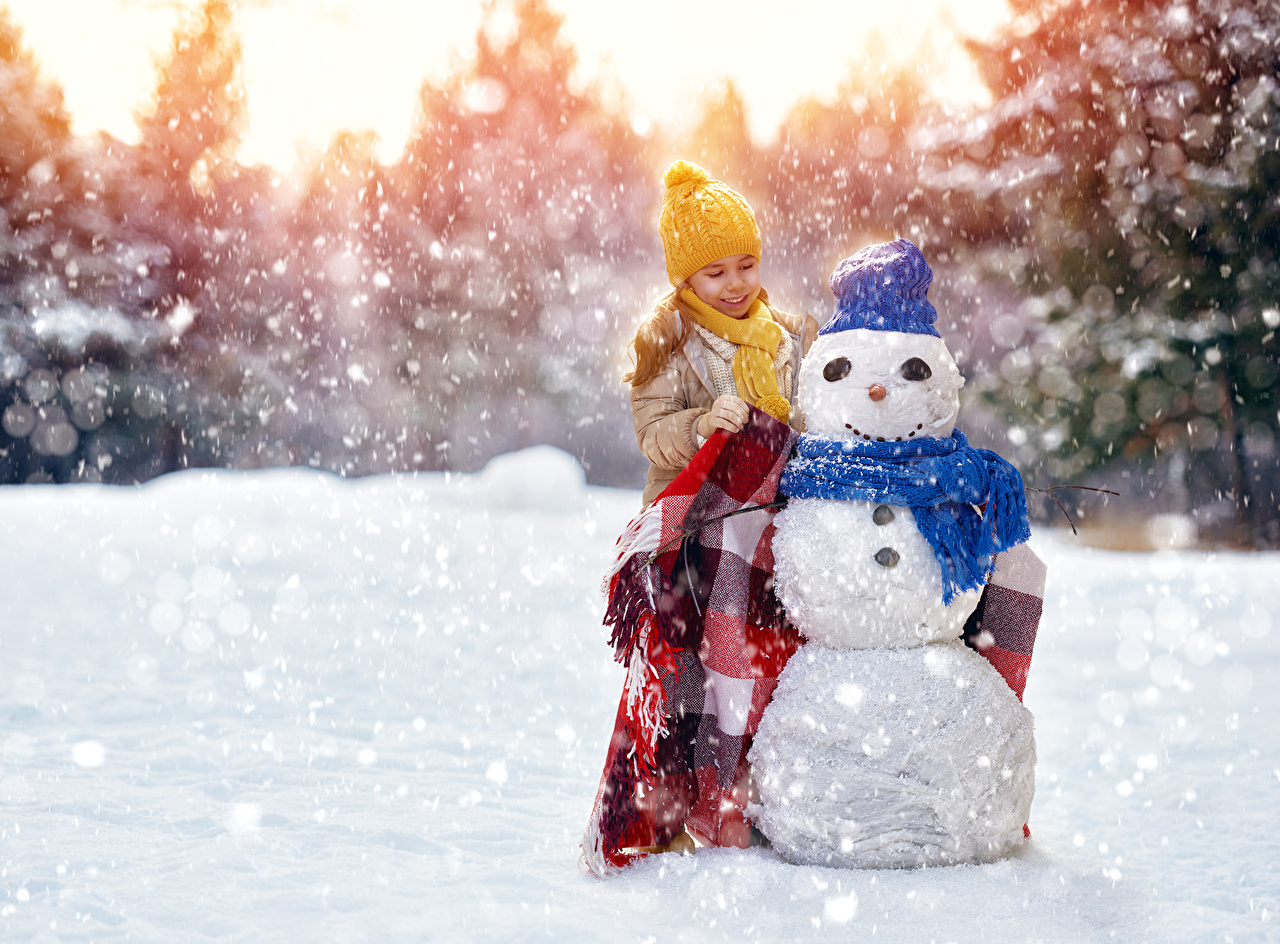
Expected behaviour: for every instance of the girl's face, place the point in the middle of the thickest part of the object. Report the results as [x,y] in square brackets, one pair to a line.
[729,285]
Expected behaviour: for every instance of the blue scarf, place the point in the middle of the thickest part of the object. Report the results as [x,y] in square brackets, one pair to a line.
[940,480]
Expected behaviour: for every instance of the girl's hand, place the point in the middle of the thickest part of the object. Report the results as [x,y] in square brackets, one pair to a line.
[727,412]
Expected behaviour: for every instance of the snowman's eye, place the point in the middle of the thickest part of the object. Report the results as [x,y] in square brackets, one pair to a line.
[838,369]
[915,369]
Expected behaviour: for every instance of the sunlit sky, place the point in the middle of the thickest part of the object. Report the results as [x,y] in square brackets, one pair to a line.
[315,66]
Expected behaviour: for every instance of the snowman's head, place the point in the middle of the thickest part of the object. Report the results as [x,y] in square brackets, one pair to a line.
[880,386]
[878,370]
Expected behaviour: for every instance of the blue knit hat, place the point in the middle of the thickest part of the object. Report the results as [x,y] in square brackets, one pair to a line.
[884,288]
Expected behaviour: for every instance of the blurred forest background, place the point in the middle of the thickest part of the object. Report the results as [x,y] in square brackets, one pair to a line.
[1104,239]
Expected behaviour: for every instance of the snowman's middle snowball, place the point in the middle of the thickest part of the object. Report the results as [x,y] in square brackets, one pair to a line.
[835,590]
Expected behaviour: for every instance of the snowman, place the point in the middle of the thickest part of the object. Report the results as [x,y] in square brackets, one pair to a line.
[888,742]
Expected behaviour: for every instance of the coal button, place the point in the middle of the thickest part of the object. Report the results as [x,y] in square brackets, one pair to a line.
[882,515]
[887,557]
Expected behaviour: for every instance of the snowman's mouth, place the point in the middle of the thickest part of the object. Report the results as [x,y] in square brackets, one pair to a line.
[869,437]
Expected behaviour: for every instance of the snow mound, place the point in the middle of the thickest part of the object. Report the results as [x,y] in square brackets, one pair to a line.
[541,478]
[893,758]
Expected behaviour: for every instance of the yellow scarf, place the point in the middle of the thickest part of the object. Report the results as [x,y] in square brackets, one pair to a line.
[757,336]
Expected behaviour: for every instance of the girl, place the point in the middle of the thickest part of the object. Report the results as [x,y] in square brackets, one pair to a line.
[676,766]
[714,343]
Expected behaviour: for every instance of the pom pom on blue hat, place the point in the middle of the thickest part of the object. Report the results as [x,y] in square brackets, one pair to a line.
[884,288]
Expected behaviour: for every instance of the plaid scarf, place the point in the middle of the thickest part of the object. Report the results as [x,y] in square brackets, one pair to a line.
[696,623]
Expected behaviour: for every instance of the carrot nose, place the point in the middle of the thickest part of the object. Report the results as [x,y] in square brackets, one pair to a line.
[877,392]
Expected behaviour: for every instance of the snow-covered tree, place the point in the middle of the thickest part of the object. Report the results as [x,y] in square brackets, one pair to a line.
[721,141]
[194,120]
[33,122]
[66,342]
[1126,177]
[529,201]
[842,175]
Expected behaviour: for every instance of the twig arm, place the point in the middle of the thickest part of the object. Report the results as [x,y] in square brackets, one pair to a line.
[685,532]
[1052,488]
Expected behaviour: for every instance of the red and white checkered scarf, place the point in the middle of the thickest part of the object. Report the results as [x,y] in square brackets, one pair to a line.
[703,638]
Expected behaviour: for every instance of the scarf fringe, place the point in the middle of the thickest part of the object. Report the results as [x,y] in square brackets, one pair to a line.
[608,824]
[638,640]
[612,818]
[593,857]
[642,535]
[950,538]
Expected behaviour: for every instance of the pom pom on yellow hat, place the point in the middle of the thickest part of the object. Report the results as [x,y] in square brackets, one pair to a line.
[702,221]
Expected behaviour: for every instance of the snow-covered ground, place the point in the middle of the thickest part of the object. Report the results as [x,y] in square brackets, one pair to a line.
[281,706]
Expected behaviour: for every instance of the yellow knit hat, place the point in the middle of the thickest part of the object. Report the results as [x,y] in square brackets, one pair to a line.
[702,221]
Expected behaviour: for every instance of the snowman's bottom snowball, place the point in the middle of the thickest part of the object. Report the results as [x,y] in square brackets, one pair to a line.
[893,758]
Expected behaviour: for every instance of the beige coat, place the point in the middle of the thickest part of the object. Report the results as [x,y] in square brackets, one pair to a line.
[667,408]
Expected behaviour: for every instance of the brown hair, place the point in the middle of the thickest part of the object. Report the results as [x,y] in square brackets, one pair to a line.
[659,336]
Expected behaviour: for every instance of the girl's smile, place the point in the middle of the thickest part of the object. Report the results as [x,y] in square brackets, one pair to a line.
[729,285]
